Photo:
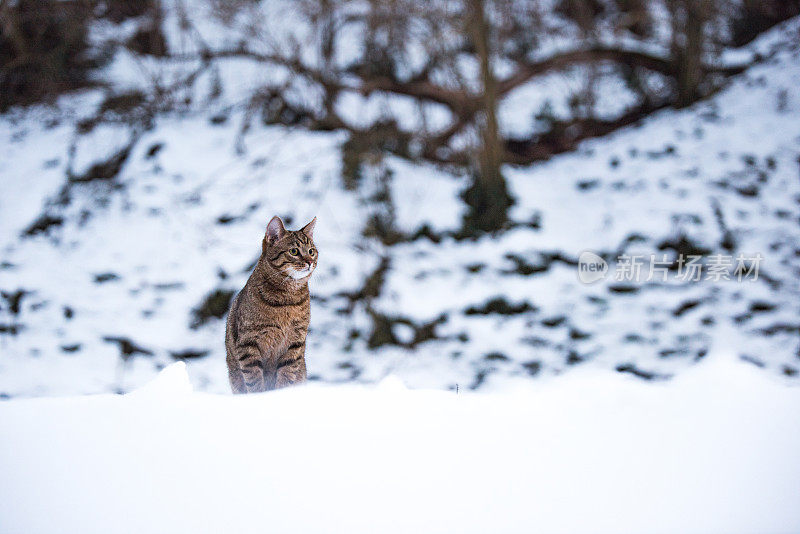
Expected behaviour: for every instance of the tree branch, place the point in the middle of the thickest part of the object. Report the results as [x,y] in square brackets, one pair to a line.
[630,58]
[564,136]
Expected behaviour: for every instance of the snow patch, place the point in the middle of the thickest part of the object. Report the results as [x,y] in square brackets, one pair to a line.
[713,451]
[173,380]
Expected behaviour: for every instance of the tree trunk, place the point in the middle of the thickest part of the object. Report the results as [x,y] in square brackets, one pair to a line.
[688,47]
[487,196]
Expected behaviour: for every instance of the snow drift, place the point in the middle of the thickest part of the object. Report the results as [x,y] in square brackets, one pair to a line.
[713,450]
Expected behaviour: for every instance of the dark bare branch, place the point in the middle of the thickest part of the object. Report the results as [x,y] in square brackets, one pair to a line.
[629,58]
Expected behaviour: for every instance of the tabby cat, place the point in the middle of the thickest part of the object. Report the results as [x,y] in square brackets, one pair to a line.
[265,338]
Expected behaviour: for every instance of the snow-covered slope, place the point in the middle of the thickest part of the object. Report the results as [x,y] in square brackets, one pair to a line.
[714,450]
[100,279]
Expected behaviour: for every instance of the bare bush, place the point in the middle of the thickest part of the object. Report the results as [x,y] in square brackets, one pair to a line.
[43,49]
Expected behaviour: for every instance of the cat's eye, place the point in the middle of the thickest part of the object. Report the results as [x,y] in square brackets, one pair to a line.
[294,251]
[312,251]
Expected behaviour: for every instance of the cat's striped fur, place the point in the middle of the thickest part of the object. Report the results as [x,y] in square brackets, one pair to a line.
[265,338]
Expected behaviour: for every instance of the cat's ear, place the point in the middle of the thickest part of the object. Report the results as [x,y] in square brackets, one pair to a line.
[275,230]
[309,228]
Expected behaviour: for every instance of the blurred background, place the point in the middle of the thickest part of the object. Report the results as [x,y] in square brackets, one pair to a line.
[459,155]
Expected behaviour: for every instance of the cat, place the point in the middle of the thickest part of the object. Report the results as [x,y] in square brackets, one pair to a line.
[265,335]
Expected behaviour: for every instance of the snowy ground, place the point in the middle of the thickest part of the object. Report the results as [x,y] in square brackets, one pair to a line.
[714,450]
[100,280]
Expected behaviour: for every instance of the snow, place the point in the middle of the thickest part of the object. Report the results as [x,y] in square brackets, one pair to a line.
[714,450]
[186,215]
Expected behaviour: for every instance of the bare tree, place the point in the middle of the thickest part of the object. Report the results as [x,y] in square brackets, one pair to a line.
[487,197]
[688,47]
[458,60]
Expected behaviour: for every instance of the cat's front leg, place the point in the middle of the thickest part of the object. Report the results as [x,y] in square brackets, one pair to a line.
[253,374]
[292,366]
[253,356]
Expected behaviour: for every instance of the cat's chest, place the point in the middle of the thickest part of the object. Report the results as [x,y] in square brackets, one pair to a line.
[287,316]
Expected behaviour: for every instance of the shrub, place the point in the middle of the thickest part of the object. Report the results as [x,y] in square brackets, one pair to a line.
[44,50]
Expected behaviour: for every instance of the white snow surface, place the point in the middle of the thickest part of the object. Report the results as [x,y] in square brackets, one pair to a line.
[714,450]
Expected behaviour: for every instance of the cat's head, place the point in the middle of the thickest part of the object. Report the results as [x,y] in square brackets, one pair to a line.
[290,253]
